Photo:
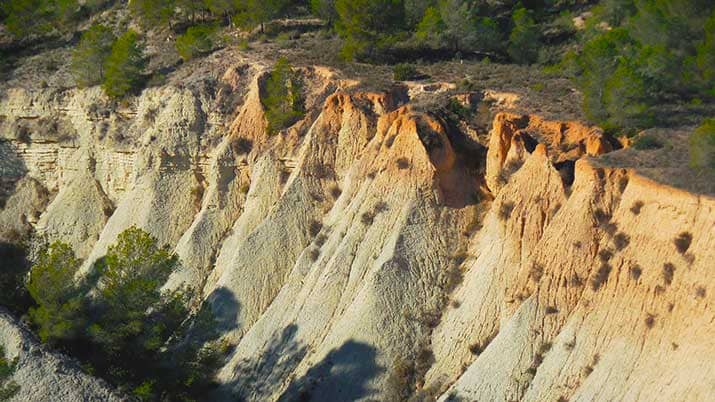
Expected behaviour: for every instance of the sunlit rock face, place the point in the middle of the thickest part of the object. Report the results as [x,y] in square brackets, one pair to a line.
[375,248]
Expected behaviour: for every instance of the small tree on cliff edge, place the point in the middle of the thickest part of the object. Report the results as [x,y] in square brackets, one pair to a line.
[124,66]
[59,314]
[283,98]
[89,56]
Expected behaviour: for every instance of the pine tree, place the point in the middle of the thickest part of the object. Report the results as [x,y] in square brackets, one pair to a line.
[152,13]
[283,99]
[524,40]
[366,25]
[90,54]
[59,312]
[124,66]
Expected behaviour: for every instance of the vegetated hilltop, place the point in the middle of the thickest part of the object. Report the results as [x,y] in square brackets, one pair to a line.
[354,231]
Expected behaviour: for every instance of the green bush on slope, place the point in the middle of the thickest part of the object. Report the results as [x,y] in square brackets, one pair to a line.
[122,325]
[283,97]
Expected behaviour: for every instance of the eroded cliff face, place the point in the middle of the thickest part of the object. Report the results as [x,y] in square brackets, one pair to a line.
[373,250]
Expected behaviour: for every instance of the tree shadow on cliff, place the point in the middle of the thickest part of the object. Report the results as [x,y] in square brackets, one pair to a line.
[12,169]
[14,266]
[343,375]
[225,309]
[258,376]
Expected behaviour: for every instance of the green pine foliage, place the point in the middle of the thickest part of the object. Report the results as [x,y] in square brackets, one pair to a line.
[123,69]
[89,56]
[404,72]
[196,41]
[662,52]
[129,331]
[132,274]
[702,146]
[524,40]
[27,17]
[324,9]
[60,305]
[8,387]
[152,13]
[368,26]
[256,13]
[282,97]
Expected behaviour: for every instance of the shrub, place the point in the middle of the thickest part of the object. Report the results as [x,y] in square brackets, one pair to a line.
[476,348]
[505,210]
[367,218]
[335,192]
[315,228]
[404,72]
[635,272]
[403,163]
[668,273]
[649,321]
[601,276]
[621,241]
[646,142]
[8,388]
[702,146]
[241,145]
[59,314]
[124,66]
[89,55]
[196,41]
[524,40]
[636,207]
[682,242]
[283,97]
[536,272]
[700,292]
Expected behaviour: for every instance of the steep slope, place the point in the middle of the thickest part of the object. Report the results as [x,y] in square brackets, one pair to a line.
[376,250]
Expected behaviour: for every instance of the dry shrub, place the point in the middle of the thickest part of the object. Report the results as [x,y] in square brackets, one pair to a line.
[335,192]
[668,273]
[621,241]
[367,218]
[636,207]
[605,255]
[381,207]
[635,271]
[314,254]
[536,272]
[241,146]
[320,240]
[403,163]
[315,228]
[683,241]
[601,276]
[700,292]
[505,210]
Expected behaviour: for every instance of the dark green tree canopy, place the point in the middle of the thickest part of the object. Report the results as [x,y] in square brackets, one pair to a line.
[89,56]
[282,97]
[124,67]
